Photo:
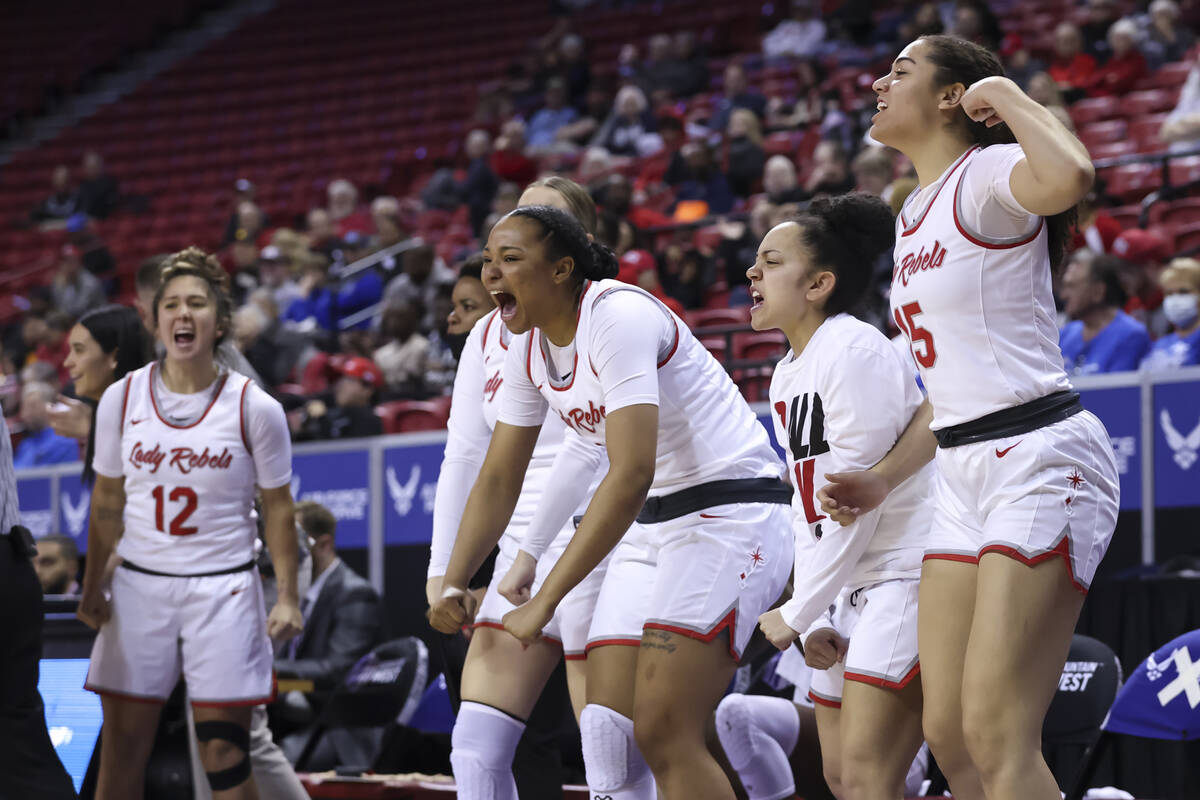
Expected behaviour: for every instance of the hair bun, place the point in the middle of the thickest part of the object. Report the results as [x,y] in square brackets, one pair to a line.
[862,222]
[604,262]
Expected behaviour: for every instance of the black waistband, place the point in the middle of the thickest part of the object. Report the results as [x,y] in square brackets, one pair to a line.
[1012,421]
[714,493]
[232,570]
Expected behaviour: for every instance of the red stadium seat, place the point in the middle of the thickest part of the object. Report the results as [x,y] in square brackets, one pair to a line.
[1094,109]
[708,317]
[1137,104]
[1133,182]
[1184,170]
[1181,212]
[1113,130]
[1187,238]
[1112,149]
[1128,216]
[408,416]
[759,346]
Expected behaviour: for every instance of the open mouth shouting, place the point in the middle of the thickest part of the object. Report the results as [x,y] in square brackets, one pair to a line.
[184,336]
[506,303]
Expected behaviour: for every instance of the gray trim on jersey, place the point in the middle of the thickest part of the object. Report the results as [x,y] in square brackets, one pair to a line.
[993,240]
[184,422]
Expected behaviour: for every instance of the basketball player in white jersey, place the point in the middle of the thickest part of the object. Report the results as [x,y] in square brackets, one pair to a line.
[713,549]
[841,398]
[180,447]
[1026,488]
[502,678]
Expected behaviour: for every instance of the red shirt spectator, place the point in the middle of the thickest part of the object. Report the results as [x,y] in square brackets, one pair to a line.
[1124,68]
[509,161]
[639,268]
[1071,67]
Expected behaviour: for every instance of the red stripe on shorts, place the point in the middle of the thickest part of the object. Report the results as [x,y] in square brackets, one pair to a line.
[728,621]
[611,643]
[884,683]
[816,698]
[498,626]
[960,557]
[1063,548]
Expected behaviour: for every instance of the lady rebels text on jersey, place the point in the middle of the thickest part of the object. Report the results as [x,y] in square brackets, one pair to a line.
[840,406]
[191,464]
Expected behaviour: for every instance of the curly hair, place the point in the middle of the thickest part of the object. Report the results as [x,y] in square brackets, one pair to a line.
[195,262]
[847,235]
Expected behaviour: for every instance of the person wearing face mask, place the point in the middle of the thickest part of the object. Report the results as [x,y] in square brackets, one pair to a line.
[1180,284]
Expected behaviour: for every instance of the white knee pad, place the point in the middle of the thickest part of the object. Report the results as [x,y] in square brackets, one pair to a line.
[758,735]
[611,757]
[481,752]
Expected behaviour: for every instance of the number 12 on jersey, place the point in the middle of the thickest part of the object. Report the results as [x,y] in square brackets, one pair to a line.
[905,321]
[190,502]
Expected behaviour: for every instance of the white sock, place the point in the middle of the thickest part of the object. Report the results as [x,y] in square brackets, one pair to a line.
[615,767]
[758,735]
[481,752]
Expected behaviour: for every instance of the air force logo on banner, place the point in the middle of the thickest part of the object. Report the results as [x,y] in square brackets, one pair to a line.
[1184,447]
[76,514]
[402,494]
[1187,678]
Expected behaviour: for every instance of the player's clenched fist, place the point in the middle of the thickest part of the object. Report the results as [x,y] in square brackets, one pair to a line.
[453,609]
[526,623]
[94,609]
[285,621]
[824,648]
[778,632]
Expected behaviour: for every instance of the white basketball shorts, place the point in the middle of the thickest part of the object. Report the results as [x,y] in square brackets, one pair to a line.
[212,630]
[569,625]
[696,575]
[881,623]
[1050,493]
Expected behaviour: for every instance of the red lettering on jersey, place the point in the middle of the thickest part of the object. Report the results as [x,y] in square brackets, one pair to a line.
[185,459]
[582,420]
[492,386]
[910,265]
[806,488]
[152,458]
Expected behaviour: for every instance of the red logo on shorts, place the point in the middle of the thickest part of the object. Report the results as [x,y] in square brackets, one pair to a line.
[1002,453]
[757,559]
[1076,480]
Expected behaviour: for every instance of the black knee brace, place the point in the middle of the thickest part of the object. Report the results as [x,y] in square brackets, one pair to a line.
[239,737]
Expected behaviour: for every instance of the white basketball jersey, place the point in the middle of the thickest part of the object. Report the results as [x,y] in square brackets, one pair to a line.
[706,431]
[496,340]
[189,487]
[837,407]
[978,311]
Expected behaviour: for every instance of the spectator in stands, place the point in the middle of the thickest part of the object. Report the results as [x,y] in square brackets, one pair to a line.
[685,275]
[975,22]
[246,224]
[350,412]
[1100,336]
[343,620]
[831,171]
[243,192]
[638,268]
[1182,126]
[1096,229]
[805,106]
[735,94]
[746,156]
[623,132]
[800,36]
[653,75]
[1071,68]
[873,170]
[702,181]
[313,314]
[690,74]
[98,191]
[240,259]
[444,347]
[1101,15]
[1180,283]
[41,446]
[1164,38]
[1019,64]
[780,183]
[509,161]
[546,122]
[403,354]
[739,243]
[1045,91]
[57,564]
[424,276]
[1125,65]
[1143,255]
[480,185]
[925,21]
[63,200]
[343,208]
[576,68]
[275,275]
[94,253]
[75,289]
[322,232]
[276,351]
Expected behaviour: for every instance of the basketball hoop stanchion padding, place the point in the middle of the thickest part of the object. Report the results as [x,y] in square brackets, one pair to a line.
[1160,700]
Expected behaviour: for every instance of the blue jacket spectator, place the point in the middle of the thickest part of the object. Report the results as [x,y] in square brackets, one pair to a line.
[736,95]
[544,124]
[41,446]
[1100,337]
[1180,283]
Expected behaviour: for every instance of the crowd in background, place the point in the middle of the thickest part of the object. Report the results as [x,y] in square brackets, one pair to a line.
[690,167]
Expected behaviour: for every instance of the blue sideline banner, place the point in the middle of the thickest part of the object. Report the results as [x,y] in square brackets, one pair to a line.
[410,477]
[339,480]
[1177,444]
[37,512]
[1120,411]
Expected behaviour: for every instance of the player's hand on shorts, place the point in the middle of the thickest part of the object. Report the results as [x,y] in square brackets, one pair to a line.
[285,622]
[849,495]
[979,101]
[526,623]
[778,632]
[454,609]
[824,648]
[70,417]
[433,590]
[94,608]
[517,586]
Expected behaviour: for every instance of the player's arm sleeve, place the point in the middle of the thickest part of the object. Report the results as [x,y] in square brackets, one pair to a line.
[521,403]
[467,437]
[266,430]
[106,460]
[571,477]
[860,430]
[628,333]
